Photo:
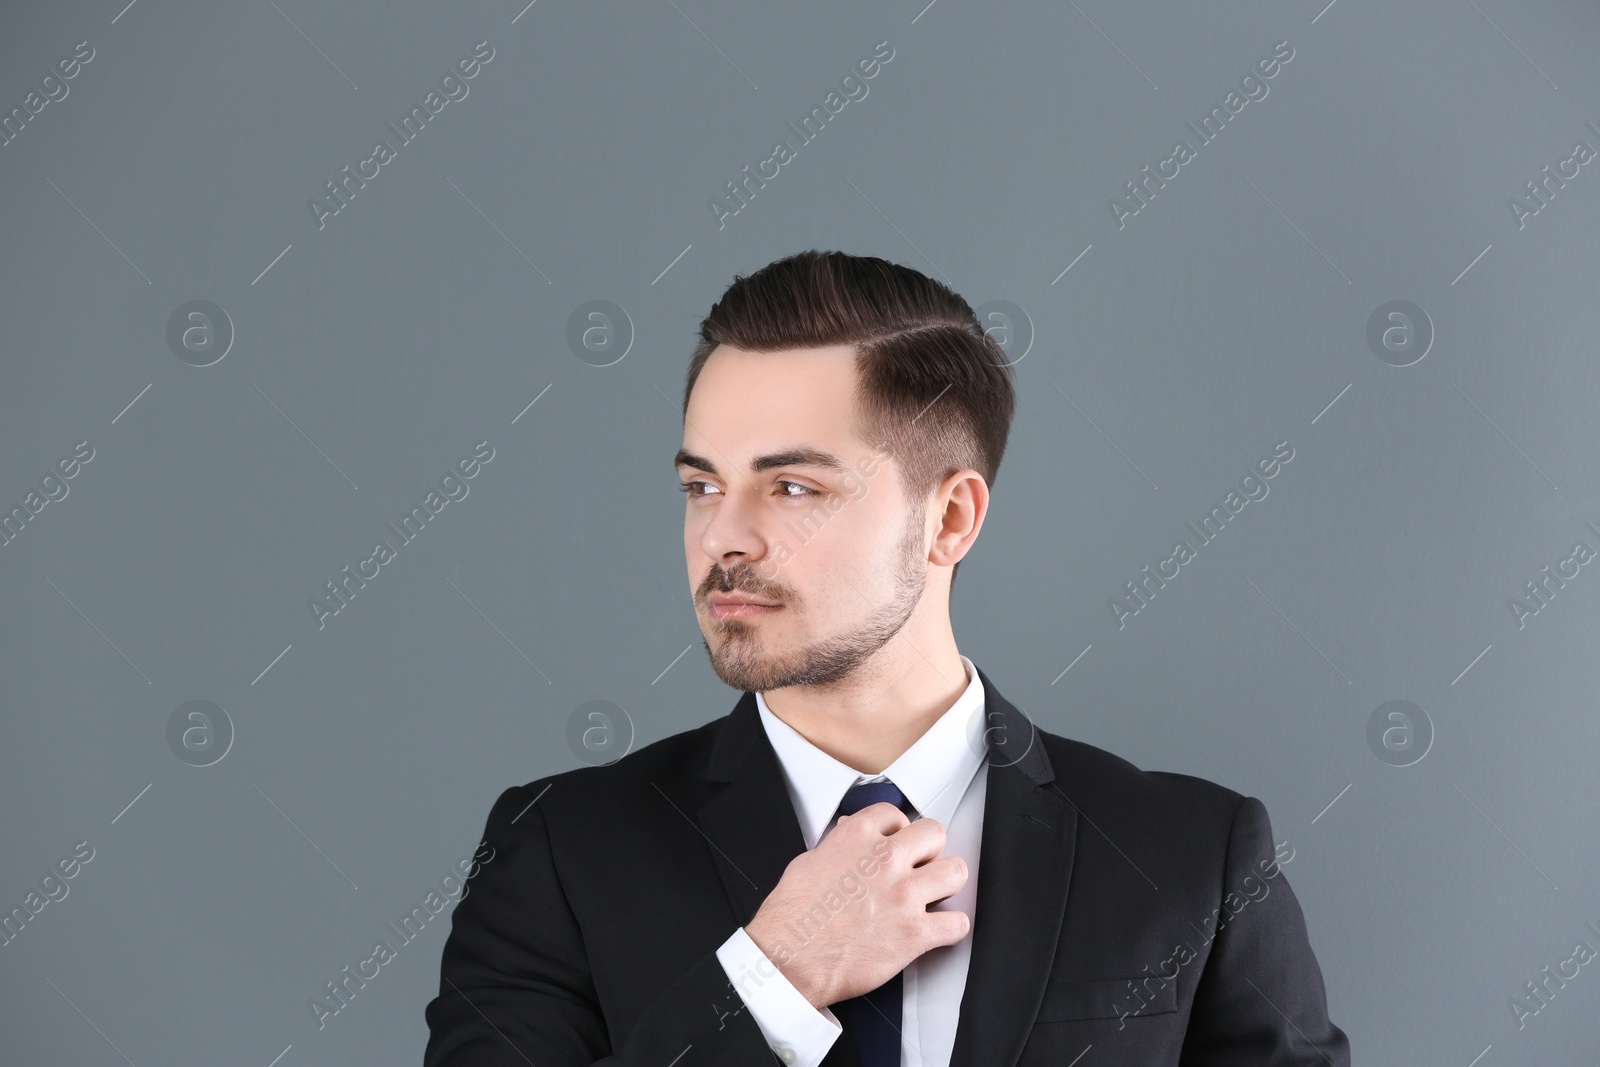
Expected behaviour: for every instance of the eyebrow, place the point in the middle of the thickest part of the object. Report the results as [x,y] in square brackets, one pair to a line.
[789,457]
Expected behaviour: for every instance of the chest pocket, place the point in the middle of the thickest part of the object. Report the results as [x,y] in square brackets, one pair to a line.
[1106,998]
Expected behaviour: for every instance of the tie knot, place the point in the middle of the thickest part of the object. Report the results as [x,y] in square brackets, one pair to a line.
[867,793]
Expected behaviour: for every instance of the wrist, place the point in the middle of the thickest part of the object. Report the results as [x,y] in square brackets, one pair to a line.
[795,976]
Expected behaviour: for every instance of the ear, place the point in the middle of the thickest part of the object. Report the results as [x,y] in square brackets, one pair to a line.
[960,502]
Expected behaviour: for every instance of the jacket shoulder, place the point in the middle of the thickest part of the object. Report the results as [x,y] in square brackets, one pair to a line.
[675,764]
[1104,780]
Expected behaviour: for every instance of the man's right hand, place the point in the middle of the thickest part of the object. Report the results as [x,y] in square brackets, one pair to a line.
[887,870]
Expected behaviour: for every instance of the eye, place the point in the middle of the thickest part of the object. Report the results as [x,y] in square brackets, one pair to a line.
[689,488]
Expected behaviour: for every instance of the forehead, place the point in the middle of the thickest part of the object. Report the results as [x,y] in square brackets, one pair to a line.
[745,402]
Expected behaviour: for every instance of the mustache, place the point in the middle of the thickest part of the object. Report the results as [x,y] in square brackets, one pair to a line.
[739,579]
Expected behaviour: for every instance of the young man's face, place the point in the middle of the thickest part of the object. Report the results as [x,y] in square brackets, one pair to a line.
[821,533]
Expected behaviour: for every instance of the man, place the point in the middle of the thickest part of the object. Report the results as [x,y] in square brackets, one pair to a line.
[875,860]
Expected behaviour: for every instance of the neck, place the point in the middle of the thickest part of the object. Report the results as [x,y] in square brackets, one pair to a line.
[867,720]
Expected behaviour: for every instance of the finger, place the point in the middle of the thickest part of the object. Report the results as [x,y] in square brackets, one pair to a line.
[922,841]
[936,880]
[944,928]
[882,818]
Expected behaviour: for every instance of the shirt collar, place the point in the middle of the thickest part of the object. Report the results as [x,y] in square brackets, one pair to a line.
[933,773]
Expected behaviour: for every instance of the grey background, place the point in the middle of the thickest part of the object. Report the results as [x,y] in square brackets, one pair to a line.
[1230,314]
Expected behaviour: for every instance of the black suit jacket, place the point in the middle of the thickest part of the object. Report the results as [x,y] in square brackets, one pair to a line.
[1141,916]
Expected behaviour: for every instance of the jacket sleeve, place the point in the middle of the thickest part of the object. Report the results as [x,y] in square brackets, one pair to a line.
[515,986]
[1260,998]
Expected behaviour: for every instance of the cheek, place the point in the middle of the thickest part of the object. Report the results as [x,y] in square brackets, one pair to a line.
[691,549]
[853,558]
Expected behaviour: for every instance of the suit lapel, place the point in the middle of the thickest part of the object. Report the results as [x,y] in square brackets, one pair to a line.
[751,824]
[1024,868]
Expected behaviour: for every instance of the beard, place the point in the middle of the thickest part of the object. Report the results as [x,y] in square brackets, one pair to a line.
[741,661]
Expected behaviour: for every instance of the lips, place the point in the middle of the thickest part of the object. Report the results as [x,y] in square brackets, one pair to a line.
[723,606]
[724,601]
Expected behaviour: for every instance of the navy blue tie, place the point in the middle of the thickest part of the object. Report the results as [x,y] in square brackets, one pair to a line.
[873,1018]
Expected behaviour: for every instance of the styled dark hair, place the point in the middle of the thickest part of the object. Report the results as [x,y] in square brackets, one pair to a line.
[933,390]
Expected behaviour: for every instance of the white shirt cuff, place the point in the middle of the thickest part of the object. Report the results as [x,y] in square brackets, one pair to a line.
[800,1035]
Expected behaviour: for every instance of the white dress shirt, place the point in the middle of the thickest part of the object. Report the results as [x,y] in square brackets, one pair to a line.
[943,775]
